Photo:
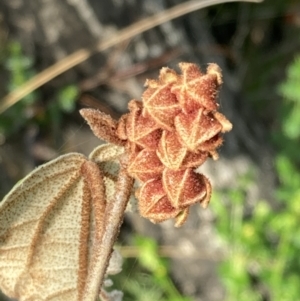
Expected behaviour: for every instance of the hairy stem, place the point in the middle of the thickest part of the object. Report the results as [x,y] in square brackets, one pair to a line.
[103,246]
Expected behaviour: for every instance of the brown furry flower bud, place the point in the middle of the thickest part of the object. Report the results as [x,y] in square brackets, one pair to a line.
[171,132]
[175,129]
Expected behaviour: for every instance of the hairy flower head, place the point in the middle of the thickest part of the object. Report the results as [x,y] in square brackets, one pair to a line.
[172,131]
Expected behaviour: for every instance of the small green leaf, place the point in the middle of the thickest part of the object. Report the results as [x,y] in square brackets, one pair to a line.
[67,98]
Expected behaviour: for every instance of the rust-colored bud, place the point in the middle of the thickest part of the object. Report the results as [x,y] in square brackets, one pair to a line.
[167,135]
[175,129]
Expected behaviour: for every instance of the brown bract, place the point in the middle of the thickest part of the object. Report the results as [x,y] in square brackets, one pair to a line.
[171,132]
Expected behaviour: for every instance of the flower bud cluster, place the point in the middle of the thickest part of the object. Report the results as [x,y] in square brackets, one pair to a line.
[170,133]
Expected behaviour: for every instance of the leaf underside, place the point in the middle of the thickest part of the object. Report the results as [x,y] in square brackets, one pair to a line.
[46,230]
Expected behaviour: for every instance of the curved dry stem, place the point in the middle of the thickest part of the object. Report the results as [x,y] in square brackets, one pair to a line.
[103,246]
[121,36]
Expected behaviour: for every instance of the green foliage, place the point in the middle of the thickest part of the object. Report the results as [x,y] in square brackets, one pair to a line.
[20,69]
[263,243]
[290,90]
[27,111]
[66,99]
[146,278]
[262,249]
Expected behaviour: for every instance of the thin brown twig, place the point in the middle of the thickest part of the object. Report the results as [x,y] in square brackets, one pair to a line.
[123,35]
[132,71]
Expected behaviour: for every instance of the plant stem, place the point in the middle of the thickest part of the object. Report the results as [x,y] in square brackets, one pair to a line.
[103,246]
